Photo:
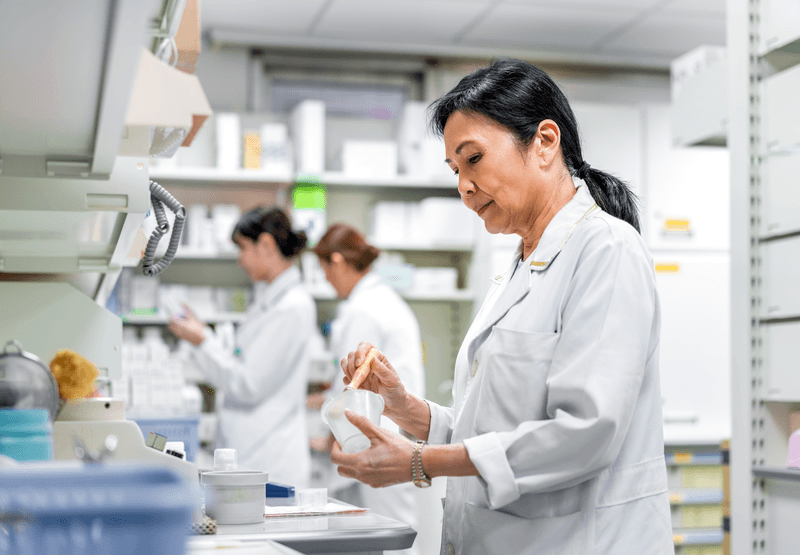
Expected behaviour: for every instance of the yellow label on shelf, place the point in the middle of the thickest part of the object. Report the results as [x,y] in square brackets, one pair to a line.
[703,550]
[702,477]
[677,539]
[668,268]
[677,225]
[252,151]
[682,458]
[707,516]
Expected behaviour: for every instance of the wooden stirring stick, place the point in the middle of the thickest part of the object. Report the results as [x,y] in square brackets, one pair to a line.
[363,370]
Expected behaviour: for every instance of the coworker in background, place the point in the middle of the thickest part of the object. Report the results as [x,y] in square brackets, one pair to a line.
[372,312]
[554,444]
[265,382]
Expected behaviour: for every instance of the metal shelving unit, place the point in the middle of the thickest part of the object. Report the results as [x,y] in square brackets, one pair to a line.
[764,146]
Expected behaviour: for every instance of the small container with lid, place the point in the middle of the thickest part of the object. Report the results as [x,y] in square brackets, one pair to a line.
[234,496]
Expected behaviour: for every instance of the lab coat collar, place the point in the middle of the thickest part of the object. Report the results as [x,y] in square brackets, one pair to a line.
[367,282]
[559,229]
[275,291]
[555,236]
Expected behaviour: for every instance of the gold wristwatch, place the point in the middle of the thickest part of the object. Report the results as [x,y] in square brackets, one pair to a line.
[418,475]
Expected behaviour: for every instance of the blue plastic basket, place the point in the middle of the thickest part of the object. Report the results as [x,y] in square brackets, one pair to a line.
[183,429]
[93,510]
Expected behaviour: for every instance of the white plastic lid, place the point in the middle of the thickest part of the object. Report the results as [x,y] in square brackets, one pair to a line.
[236,478]
[225,459]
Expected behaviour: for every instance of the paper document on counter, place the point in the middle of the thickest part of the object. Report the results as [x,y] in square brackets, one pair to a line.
[329,509]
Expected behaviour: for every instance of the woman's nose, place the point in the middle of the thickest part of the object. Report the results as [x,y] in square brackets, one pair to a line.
[465,185]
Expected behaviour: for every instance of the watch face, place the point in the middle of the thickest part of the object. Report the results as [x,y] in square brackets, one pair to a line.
[422,483]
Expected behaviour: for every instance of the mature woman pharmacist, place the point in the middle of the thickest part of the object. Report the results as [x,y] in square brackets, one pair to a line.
[554,444]
[372,311]
[265,383]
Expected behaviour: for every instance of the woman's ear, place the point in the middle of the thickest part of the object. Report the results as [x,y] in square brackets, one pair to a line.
[547,143]
[337,258]
[266,241]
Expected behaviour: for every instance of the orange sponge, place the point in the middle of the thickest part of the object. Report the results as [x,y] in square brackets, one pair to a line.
[75,374]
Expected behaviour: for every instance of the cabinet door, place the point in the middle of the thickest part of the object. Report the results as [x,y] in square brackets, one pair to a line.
[781,111]
[688,199]
[781,353]
[781,281]
[780,23]
[780,194]
[694,290]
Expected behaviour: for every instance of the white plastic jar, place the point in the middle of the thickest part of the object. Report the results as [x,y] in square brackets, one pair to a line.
[235,496]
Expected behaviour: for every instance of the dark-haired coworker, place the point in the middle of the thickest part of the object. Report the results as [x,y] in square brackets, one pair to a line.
[554,444]
[265,381]
[372,311]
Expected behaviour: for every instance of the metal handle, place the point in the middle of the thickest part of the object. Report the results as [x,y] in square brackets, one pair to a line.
[16,344]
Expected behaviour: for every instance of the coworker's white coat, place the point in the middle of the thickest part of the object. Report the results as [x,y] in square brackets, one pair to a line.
[557,400]
[374,312]
[263,414]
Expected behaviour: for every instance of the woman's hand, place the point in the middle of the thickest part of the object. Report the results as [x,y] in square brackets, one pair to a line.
[383,379]
[385,463]
[188,326]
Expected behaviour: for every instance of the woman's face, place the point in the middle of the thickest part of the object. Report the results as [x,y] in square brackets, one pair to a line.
[496,179]
[250,259]
[332,274]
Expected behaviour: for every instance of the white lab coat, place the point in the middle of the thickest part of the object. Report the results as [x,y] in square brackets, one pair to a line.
[374,312]
[557,400]
[265,382]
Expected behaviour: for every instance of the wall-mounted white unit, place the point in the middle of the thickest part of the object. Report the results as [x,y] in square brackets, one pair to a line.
[694,291]
[699,113]
[688,197]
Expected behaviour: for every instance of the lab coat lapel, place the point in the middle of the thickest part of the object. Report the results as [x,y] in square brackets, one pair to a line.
[553,239]
[513,292]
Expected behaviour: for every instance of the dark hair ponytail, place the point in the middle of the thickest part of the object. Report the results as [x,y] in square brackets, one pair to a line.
[519,96]
[275,222]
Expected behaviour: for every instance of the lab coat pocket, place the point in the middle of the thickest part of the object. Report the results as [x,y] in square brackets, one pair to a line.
[488,532]
[513,385]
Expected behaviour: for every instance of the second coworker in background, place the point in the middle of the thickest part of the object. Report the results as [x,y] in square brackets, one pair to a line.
[372,312]
[265,381]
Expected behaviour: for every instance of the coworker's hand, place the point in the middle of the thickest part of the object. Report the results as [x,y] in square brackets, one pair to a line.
[385,463]
[383,378]
[188,326]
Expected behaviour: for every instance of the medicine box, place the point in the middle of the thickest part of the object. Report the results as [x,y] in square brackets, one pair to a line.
[370,159]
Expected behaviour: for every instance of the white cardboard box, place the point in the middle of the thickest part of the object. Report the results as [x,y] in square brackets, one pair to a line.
[307,126]
[371,159]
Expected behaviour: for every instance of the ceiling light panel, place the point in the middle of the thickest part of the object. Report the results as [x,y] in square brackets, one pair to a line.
[410,21]
[639,5]
[286,17]
[708,7]
[668,35]
[547,27]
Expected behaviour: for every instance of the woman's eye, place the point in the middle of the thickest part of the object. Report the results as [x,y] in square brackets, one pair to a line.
[474,158]
[455,172]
